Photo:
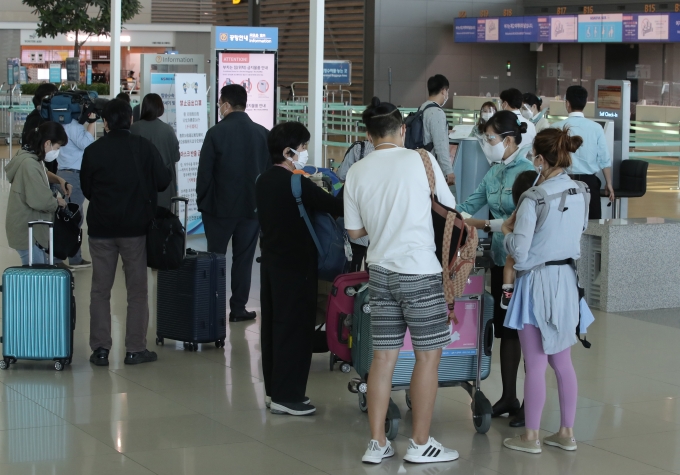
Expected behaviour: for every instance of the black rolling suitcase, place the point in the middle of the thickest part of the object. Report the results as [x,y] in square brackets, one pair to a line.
[191,300]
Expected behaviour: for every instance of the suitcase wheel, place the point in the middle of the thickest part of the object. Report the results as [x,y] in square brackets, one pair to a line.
[345,367]
[332,361]
[160,341]
[189,346]
[219,344]
[391,428]
[59,365]
[363,403]
[4,364]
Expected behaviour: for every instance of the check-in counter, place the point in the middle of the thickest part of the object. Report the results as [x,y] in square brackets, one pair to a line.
[631,264]
[558,108]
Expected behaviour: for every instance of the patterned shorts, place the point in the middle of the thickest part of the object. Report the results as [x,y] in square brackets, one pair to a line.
[401,300]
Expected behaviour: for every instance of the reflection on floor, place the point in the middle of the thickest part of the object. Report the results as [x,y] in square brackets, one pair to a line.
[203,412]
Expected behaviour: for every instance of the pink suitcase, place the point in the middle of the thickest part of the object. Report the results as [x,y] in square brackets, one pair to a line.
[340,305]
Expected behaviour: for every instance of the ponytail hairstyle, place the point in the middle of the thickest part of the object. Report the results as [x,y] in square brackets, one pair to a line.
[556,146]
[532,100]
[52,132]
[507,124]
[381,119]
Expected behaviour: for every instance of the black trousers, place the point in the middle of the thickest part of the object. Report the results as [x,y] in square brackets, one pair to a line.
[594,183]
[218,232]
[358,256]
[288,300]
[498,313]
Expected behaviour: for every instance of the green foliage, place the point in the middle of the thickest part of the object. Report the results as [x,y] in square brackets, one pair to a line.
[100,89]
[66,16]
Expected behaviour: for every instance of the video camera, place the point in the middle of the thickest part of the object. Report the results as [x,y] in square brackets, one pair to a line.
[65,106]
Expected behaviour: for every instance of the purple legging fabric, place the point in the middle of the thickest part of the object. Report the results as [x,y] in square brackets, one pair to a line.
[534,383]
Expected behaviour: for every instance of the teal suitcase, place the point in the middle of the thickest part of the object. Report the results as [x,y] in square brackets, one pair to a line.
[38,311]
[464,368]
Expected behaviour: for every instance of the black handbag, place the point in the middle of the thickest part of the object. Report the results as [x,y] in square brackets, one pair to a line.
[68,236]
[166,239]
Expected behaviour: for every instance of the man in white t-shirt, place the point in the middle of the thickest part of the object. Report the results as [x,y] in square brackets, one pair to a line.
[387,197]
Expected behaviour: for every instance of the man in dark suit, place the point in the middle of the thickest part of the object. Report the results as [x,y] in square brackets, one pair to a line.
[233,155]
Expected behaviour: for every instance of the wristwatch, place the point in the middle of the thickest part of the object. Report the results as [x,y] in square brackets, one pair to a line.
[487,227]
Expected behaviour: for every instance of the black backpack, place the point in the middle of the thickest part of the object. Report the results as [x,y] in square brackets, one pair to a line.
[415,130]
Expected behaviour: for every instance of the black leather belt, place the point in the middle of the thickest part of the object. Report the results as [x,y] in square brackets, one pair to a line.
[69,170]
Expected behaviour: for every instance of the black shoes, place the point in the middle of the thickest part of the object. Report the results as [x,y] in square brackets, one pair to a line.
[503,407]
[139,357]
[518,420]
[100,357]
[242,316]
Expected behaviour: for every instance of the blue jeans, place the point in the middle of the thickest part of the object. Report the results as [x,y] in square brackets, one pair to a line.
[77,196]
[39,256]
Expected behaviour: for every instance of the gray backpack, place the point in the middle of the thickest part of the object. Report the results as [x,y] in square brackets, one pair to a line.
[355,152]
[543,199]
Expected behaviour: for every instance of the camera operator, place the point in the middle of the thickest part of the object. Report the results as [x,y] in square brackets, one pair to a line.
[70,159]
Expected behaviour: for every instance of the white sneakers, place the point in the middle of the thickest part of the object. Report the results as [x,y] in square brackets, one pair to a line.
[430,452]
[375,453]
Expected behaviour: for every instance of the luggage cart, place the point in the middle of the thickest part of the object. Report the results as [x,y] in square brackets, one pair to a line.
[461,364]
[12,120]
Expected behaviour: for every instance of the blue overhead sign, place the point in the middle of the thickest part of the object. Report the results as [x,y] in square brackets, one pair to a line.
[337,72]
[465,30]
[246,38]
[594,28]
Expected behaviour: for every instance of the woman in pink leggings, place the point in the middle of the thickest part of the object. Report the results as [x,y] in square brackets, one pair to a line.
[543,236]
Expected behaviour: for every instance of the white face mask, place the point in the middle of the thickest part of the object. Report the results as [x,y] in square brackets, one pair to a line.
[526,112]
[487,115]
[446,99]
[51,155]
[219,111]
[303,157]
[494,153]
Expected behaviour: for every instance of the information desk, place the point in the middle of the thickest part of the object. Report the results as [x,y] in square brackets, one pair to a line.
[631,264]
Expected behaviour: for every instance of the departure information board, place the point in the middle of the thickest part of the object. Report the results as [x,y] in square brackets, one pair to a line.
[594,28]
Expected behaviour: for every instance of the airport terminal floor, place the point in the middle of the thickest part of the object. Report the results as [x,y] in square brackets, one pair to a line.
[204,412]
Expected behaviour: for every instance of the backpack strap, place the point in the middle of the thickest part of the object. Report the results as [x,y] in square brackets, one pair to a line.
[296,187]
[363,149]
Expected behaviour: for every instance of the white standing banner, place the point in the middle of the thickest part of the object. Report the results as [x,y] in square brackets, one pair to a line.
[192,125]
[163,84]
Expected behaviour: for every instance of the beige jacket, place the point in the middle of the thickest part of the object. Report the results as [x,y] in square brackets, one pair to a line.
[30,199]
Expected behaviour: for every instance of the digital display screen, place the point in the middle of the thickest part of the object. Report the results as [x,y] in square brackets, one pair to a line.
[609,97]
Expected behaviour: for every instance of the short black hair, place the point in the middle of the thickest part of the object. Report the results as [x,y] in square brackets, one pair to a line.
[152,107]
[118,114]
[436,83]
[45,89]
[532,100]
[577,97]
[506,124]
[47,131]
[513,97]
[235,95]
[123,96]
[523,182]
[282,136]
[381,118]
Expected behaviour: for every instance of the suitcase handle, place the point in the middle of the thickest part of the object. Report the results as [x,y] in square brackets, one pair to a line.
[174,202]
[30,240]
[488,338]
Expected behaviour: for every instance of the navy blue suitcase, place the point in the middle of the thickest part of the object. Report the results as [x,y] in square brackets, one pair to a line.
[38,310]
[192,300]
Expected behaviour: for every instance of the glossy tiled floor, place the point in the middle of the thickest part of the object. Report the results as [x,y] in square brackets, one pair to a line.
[203,412]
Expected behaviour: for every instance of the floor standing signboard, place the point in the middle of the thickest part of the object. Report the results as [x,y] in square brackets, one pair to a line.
[246,56]
[191,115]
